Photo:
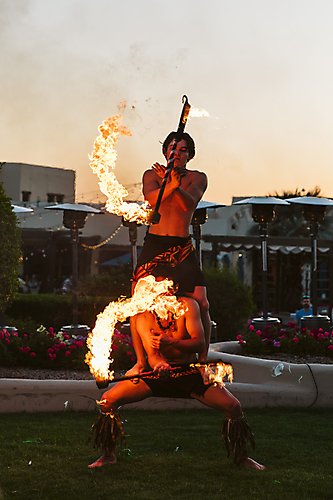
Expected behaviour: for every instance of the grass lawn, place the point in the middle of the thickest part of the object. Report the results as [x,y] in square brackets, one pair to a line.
[172,455]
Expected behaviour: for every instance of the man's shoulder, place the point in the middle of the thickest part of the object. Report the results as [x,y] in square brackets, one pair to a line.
[149,173]
[197,173]
[191,304]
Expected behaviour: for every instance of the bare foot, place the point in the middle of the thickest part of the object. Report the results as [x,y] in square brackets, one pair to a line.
[104,460]
[248,462]
[135,370]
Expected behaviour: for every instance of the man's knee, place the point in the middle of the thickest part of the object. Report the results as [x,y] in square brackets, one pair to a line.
[200,296]
[204,305]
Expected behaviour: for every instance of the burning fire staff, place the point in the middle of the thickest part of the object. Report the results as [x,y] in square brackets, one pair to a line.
[168,243]
[170,342]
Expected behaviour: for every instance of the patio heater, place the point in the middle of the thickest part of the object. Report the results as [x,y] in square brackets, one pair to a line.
[263,212]
[74,218]
[133,237]
[200,217]
[314,211]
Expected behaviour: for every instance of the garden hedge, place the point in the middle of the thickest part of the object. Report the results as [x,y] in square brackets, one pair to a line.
[56,311]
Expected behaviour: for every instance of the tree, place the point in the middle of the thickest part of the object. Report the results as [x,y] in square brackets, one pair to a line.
[10,250]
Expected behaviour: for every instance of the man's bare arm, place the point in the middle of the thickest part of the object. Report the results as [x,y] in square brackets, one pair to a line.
[151,187]
[190,197]
[187,197]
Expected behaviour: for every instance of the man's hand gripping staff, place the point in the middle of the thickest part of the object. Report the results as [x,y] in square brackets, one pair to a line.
[155,216]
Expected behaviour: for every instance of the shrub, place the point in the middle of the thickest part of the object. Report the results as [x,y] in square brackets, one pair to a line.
[45,349]
[231,302]
[287,340]
[52,310]
[113,283]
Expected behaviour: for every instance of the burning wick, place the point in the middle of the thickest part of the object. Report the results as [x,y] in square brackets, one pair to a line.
[102,159]
[198,113]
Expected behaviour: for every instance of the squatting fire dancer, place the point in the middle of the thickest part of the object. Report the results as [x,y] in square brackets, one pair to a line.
[168,244]
[170,342]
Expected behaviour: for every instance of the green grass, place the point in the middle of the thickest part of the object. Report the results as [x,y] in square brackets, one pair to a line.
[172,455]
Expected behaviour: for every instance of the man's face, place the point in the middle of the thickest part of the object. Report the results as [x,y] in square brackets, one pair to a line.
[181,153]
[306,303]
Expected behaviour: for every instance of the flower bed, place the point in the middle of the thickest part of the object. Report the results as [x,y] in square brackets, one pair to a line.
[58,351]
[289,340]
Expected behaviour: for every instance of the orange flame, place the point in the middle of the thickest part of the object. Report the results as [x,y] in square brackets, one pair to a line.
[198,113]
[149,295]
[216,373]
[102,159]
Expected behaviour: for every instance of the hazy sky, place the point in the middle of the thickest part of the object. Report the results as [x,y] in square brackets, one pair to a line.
[261,68]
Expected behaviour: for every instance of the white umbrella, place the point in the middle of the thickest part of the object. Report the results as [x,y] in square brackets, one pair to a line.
[19,210]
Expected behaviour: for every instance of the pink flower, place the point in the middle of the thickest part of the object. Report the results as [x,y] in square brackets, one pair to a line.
[311,334]
[27,349]
[7,341]
[241,342]
[258,332]
[21,349]
[25,336]
[67,353]
[56,347]
[133,358]
[72,347]
[239,337]
[320,330]
[32,354]
[115,348]
[51,329]
[62,345]
[330,347]
[50,350]
[66,337]
[281,337]
[295,339]
[320,335]
[251,327]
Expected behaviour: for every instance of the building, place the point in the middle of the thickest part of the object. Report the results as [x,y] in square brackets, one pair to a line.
[47,249]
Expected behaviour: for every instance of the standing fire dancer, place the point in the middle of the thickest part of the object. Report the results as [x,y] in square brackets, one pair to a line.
[169,342]
[168,245]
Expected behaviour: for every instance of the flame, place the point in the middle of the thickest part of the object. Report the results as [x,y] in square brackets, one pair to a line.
[102,159]
[149,295]
[198,113]
[216,373]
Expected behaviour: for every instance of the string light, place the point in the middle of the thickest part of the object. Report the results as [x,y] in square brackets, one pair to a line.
[93,247]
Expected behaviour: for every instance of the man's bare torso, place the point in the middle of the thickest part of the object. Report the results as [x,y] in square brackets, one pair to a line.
[175,217]
[149,326]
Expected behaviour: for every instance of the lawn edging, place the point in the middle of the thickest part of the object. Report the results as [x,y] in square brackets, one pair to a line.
[257,383]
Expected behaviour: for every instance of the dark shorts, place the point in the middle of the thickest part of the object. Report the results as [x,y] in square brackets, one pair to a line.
[186,274]
[177,387]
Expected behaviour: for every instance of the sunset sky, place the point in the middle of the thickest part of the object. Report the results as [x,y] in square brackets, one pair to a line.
[261,68]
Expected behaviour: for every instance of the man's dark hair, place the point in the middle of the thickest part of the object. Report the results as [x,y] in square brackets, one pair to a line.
[183,136]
